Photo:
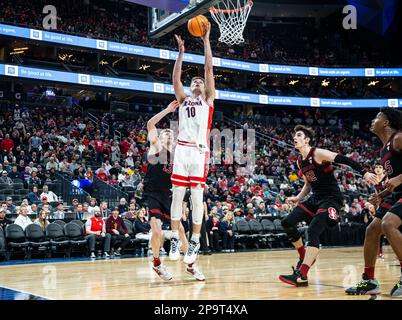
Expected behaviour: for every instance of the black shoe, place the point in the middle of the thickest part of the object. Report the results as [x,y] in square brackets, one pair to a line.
[299,263]
[295,279]
[365,286]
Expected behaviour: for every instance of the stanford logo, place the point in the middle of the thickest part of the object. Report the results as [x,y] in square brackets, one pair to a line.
[332,213]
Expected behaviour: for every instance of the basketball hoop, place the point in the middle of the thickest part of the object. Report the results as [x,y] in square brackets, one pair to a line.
[231,17]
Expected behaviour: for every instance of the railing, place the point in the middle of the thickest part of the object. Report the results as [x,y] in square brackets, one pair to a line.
[108,193]
[43,99]
[68,191]
[263,136]
[94,119]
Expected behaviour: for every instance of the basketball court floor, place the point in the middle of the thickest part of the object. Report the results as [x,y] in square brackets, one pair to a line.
[230,276]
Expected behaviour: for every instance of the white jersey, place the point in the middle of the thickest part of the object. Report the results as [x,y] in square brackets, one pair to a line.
[195,118]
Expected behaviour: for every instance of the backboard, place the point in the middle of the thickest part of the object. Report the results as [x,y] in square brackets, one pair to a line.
[161,22]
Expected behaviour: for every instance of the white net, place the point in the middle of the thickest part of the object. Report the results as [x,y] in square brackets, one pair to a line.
[231,17]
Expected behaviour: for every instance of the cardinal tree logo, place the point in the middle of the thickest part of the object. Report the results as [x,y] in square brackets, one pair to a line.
[333,213]
[226,146]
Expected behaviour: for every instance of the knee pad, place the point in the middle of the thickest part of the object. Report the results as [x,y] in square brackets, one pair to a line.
[197,194]
[291,231]
[176,209]
[313,238]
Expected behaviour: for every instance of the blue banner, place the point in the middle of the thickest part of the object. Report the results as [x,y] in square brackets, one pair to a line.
[145,86]
[65,39]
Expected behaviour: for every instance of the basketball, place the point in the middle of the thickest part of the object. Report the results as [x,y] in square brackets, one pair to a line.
[197,26]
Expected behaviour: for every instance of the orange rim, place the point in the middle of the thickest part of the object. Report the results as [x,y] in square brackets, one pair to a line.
[214,10]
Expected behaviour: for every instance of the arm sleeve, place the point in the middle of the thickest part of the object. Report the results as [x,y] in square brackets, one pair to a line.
[351,163]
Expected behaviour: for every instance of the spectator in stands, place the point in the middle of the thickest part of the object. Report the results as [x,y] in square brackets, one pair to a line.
[105,212]
[7,144]
[33,210]
[50,195]
[95,229]
[92,204]
[261,210]
[142,226]
[250,215]
[213,228]
[14,174]
[238,214]
[116,227]
[226,229]
[42,220]
[33,196]
[5,178]
[23,220]
[86,213]
[3,220]
[74,203]
[368,214]
[59,213]
[34,179]
[10,205]
[130,214]
[52,164]
[285,210]
[79,212]
[4,207]
[123,206]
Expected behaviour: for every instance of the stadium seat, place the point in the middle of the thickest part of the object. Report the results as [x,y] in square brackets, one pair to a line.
[61,223]
[55,233]
[76,236]
[7,191]
[36,238]
[78,222]
[256,229]
[280,232]
[22,192]
[3,250]
[4,186]
[16,198]
[16,241]
[17,186]
[242,232]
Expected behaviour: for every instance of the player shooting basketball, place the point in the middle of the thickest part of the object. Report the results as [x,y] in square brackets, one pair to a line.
[192,152]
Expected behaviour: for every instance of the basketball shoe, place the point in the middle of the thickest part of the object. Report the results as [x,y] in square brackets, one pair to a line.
[195,272]
[396,291]
[162,272]
[174,253]
[365,286]
[296,279]
[192,252]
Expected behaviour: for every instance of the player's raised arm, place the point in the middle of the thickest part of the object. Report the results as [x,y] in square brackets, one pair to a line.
[151,126]
[177,84]
[209,74]
[326,155]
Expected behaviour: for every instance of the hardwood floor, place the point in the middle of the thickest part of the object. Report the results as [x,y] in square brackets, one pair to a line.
[245,275]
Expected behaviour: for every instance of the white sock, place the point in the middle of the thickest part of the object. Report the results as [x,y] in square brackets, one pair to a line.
[195,237]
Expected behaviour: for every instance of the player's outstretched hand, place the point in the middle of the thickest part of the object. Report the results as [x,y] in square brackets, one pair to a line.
[180,43]
[370,178]
[206,35]
[392,183]
[292,201]
[375,200]
[173,106]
